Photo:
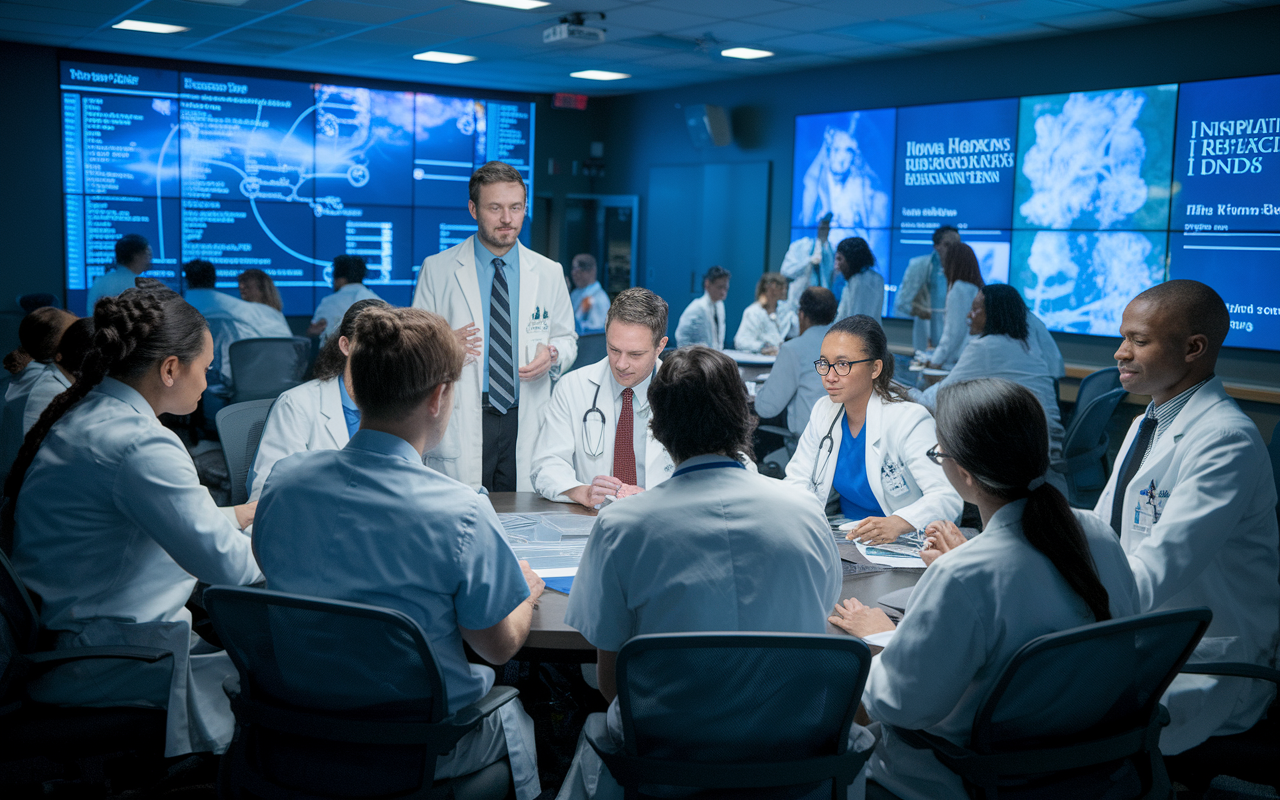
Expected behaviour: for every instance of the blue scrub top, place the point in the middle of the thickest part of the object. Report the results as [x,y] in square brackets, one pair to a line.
[856,498]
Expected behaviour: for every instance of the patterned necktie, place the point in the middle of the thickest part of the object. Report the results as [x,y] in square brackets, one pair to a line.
[624,449]
[1132,462]
[502,382]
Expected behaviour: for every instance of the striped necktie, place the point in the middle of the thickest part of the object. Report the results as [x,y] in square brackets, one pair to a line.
[502,383]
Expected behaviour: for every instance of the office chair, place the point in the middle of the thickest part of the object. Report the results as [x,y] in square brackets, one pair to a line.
[775,463]
[735,711]
[240,429]
[1077,713]
[339,700]
[1095,385]
[264,368]
[1084,449]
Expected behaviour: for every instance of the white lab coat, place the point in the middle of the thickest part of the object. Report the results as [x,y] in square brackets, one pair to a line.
[49,384]
[863,295]
[970,613]
[447,285]
[898,434]
[955,330]
[921,270]
[1207,538]
[112,531]
[15,409]
[760,329]
[307,417]
[698,326]
[562,462]
[797,267]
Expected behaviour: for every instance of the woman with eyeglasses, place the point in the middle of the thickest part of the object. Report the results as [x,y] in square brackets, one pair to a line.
[1039,567]
[865,442]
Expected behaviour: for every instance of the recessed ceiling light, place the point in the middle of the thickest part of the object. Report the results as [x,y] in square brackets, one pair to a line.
[745,52]
[523,5]
[599,75]
[443,58]
[148,27]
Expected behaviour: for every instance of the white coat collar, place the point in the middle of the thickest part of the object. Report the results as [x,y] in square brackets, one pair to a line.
[331,409]
[1207,396]
[875,418]
[601,377]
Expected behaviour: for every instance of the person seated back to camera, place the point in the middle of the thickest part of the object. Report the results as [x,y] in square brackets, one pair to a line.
[230,318]
[371,524]
[713,548]
[348,287]
[58,376]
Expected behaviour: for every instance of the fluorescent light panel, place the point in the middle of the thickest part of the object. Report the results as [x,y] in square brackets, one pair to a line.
[599,75]
[522,5]
[148,27]
[443,58]
[745,52]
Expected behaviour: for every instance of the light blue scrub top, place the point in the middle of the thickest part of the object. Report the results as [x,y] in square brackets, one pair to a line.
[857,501]
[484,274]
[350,411]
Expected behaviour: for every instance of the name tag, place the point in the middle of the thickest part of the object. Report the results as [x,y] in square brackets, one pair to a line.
[893,479]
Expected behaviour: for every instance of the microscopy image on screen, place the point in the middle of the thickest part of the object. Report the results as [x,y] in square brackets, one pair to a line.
[1245,270]
[1227,163]
[1080,282]
[1096,160]
[364,148]
[247,139]
[444,154]
[955,165]
[276,238]
[844,166]
[383,237]
[990,246]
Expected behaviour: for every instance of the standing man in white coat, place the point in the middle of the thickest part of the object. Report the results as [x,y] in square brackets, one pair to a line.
[702,321]
[810,261]
[925,272]
[595,440]
[510,308]
[1194,503]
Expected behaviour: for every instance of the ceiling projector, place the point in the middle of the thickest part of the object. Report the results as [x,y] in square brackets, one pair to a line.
[572,28]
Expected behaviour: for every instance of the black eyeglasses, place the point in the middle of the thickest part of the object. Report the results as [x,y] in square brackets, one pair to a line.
[935,456]
[842,368]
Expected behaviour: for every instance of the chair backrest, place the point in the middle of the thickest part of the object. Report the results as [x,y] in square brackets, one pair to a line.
[739,698]
[327,655]
[263,368]
[591,348]
[1089,424]
[1096,384]
[240,429]
[1094,680]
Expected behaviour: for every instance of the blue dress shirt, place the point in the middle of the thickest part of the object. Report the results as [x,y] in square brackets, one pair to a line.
[350,411]
[484,274]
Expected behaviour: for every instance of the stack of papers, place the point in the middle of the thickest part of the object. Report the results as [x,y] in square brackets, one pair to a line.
[551,543]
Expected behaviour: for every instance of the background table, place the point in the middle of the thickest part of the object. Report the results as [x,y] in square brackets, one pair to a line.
[550,636]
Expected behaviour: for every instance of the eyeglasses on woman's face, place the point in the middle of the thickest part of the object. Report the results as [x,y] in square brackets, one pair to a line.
[842,368]
[936,455]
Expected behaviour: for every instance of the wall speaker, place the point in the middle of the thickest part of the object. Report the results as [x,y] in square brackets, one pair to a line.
[708,126]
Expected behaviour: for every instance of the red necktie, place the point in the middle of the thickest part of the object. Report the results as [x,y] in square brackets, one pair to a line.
[624,450]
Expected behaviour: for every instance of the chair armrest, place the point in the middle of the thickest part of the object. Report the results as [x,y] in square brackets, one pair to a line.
[468,716]
[1085,459]
[1233,669]
[52,658]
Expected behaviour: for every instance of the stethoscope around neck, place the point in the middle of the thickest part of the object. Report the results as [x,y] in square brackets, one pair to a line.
[821,461]
[594,418]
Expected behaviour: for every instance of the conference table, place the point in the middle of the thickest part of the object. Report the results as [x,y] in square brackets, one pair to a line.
[550,639]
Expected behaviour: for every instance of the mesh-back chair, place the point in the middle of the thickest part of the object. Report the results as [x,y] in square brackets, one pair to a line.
[1084,449]
[339,699]
[240,429]
[1095,385]
[730,713]
[30,729]
[1077,713]
[1273,449]
[263,368]
[591,348]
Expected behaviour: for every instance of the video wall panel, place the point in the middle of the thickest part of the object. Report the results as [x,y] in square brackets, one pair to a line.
[274,174]
[1079,200]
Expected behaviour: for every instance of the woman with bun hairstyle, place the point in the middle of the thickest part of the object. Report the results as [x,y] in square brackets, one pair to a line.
[60,373]
[1039,567]
[39,334]
[112,528]
[321,414]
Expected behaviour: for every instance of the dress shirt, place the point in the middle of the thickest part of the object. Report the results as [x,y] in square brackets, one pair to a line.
[594,318]
[350,411]
[639,413]
[484,274]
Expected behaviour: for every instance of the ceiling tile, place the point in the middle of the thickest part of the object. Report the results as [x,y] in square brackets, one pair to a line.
[811,43]
[804,19]
[1092,19]
[1033,9]
[366,13]
[1187,8]
[650,18]
[61,32]
[891,32]
[737,9]
[966,20]
[868,10]
[400,37]
[731,32]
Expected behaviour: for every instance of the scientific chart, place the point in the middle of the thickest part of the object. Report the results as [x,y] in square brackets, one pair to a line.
[277,175]
[1079,200]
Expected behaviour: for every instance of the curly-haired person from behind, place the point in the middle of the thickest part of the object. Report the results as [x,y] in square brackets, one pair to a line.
[326,515]
[112,528]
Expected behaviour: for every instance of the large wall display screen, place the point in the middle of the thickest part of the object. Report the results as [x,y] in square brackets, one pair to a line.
[272,174]
[1081,200]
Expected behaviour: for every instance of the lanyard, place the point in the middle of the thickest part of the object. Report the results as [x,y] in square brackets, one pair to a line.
[716,465]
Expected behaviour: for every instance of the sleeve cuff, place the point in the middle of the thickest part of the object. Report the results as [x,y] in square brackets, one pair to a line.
[230,513]
[880,639]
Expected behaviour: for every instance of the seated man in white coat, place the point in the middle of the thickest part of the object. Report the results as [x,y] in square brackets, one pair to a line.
[510,308]
[702,321]
[371,524]
[714,548]
[595,440]
[1193,500]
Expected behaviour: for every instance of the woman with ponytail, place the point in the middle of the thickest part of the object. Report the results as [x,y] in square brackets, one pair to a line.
[1039,567]
[112,528]
[39,334]
[61,372]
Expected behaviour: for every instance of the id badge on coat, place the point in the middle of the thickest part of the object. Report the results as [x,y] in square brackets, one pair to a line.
[894,479]
[1151,502]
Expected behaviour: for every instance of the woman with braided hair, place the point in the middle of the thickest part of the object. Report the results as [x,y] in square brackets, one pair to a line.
[112,528]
